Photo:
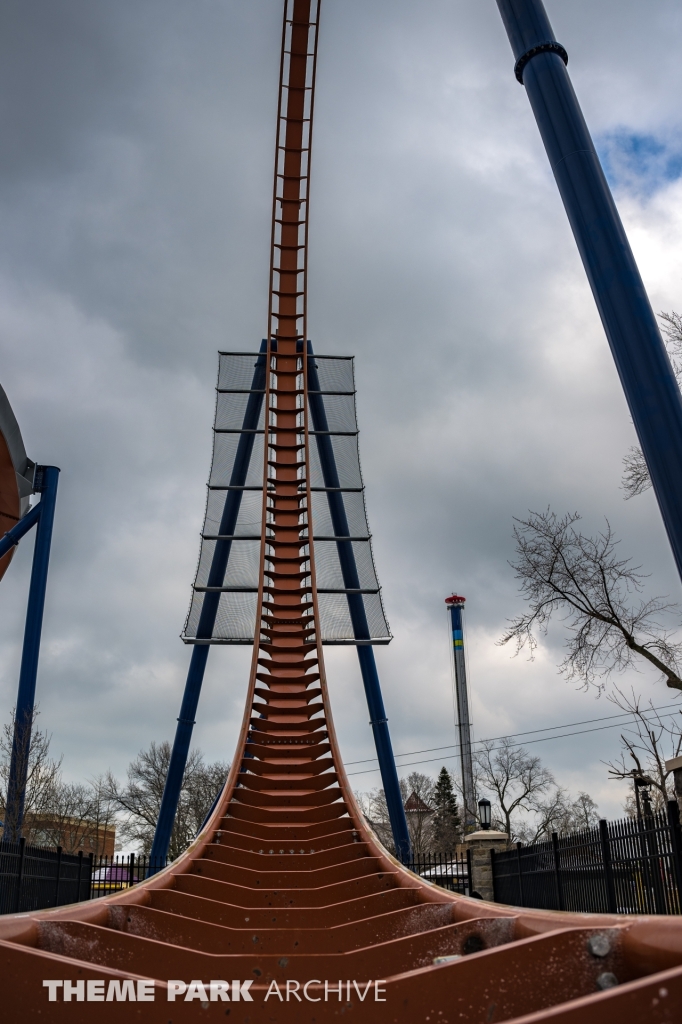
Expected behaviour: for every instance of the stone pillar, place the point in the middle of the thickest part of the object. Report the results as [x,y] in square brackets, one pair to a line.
[674,765]
[480,844]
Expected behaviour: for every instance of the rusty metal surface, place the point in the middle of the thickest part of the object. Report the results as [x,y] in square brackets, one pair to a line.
[16,475]
[287,890]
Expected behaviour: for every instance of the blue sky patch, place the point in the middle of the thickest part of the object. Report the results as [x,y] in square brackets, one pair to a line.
[639,163]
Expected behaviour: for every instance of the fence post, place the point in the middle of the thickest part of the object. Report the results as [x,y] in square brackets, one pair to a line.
[557,873]
[478,846]
[20,873]
[521,900]
[59,876]
[492,871]
[611,905]
[80,873]
[91,860]
[676,847]
[131,869]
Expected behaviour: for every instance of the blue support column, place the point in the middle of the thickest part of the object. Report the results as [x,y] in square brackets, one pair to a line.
[209,611]
[358,617]
[47,479]
[636,345]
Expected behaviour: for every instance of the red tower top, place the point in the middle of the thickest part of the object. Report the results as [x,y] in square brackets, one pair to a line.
[455,599]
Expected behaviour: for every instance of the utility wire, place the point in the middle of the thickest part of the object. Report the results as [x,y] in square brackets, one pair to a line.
[528,732]
[494,739]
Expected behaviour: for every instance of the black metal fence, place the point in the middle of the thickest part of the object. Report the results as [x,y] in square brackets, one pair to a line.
[448,870]
[33,878]
[111,874]
[622,867]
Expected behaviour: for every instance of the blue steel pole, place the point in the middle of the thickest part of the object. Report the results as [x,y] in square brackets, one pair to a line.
[13,536]
[358,617]
[209,612]
[641,359]
[47,479]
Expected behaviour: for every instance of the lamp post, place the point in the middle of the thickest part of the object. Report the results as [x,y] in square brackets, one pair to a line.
[484,813]
[643,787]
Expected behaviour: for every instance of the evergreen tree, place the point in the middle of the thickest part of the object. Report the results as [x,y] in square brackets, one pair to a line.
[447,826]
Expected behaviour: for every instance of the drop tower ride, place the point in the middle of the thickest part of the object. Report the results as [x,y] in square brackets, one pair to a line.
[455,605]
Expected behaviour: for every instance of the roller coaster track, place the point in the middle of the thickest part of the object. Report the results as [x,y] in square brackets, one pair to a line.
[287,890]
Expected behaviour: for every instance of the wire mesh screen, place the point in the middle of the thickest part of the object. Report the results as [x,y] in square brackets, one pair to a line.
[224,599]
[353,506]
[328,566]
[335,374]
[347,459]
[225,448]
[235,620]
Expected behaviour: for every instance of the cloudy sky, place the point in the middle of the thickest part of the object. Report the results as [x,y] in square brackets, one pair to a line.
[136,147]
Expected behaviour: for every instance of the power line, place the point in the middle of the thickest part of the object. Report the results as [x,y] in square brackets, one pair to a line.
[528,732]
[494,739]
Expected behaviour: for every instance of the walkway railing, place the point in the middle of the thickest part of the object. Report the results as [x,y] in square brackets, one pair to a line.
[621,867]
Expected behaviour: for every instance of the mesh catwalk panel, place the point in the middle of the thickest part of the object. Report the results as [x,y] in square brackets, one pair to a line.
[329,575]
[231,559]
[354,507]
[340,410]
[335,622]
[235,620]
[335,373]
[242,566]
[225,448]
[248,518]
[347,461]
[236,370]
[230,411]
[230,548]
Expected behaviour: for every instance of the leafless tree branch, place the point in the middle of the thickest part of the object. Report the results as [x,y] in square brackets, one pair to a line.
[636,477]
[561,571]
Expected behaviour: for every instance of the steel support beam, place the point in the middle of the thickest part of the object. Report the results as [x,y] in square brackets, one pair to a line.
[358,617]
[636,345]
[209,611]
[47,479]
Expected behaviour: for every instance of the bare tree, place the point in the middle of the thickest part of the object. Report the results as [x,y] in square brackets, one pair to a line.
[421,819]
[584,813]
[516,779]
[582,578]
[647,744]
[551,814]
[375,809]
[139,801]
[558,813]
[42,771]
[636,477]
[76,816]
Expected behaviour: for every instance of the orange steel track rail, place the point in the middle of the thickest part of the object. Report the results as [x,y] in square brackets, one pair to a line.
[287,884]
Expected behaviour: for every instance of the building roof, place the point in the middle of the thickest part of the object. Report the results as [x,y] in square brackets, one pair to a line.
[415,805]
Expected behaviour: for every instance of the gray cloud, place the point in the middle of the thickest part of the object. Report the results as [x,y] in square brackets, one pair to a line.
[135,183]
